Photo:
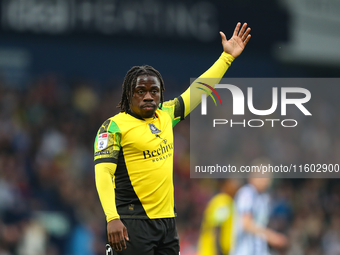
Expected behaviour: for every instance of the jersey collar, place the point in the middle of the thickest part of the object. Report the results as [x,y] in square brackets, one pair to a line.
[139,117]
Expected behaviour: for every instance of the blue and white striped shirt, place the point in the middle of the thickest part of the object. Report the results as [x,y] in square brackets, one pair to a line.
[249,200]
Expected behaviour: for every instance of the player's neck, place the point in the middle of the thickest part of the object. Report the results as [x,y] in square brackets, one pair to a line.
[137,116]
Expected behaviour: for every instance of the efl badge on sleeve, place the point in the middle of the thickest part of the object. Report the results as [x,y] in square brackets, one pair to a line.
[102,141]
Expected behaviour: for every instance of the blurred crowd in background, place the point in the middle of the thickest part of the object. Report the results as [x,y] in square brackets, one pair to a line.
[48,201]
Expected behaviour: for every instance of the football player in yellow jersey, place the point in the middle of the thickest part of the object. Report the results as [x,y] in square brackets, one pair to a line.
[134,157]
[217,229]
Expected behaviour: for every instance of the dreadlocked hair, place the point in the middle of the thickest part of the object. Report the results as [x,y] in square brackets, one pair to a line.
[129,85]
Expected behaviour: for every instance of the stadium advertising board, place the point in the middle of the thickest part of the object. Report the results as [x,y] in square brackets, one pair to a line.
[164,19]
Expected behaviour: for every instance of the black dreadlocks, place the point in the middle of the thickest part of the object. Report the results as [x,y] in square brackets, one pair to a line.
[129,85]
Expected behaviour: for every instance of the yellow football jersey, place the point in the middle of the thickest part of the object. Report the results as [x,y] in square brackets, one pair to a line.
[143,151]
[216,236]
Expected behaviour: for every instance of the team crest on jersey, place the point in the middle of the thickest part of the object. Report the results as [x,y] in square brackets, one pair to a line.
[102,141]
[153,129]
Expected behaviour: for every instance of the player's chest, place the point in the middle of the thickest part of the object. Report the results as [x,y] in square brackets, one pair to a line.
[261,211]
[148,136]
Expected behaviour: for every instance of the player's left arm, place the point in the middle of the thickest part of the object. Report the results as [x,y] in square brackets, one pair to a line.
[272,237]
[232,48]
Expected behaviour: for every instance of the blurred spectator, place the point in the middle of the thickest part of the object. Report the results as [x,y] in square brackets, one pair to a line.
[217,229]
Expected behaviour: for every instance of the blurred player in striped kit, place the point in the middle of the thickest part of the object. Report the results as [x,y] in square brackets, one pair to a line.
[253,212]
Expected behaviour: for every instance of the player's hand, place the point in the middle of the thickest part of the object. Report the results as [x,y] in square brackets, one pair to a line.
[235,45]
[117,234]
[277,240]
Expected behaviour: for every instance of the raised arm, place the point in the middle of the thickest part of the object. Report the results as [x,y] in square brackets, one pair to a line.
[232,48]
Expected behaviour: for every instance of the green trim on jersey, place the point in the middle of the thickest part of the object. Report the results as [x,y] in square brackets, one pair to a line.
[112,147]
[113,128]
[175,108]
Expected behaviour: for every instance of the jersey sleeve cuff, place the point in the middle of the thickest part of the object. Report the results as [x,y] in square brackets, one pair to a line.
[226,57]
[182,107]
[108,219]
[106,160]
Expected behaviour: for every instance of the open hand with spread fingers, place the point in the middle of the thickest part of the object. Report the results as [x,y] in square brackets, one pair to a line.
[235,45]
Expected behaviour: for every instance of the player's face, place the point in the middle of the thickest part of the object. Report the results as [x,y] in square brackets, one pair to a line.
[146,96]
